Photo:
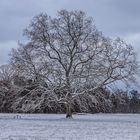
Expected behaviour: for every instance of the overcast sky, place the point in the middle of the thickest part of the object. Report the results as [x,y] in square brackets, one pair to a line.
[115,18]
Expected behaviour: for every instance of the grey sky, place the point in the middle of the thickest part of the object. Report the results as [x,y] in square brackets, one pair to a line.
[113,17]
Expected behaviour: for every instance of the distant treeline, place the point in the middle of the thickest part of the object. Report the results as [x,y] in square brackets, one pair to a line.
[33,97]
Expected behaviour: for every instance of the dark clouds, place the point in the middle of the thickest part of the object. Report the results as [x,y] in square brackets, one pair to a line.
[112,17]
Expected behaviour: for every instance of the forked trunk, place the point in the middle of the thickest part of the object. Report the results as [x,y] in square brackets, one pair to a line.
[68,111]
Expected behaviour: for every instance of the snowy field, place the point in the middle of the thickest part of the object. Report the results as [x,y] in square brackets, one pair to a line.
[81,127]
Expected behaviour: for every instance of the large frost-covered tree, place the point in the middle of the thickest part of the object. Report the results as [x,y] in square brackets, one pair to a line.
[72,56]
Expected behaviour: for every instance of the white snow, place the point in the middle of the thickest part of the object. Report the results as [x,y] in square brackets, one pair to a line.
[81,127]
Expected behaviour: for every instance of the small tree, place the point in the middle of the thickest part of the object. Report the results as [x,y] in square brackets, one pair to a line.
[74,55]
[135,101]
[6,74]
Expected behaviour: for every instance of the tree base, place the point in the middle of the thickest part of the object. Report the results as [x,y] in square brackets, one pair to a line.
[68,116]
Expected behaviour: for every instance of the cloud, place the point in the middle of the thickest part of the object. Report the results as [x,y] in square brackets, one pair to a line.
[134,40]
[113,18]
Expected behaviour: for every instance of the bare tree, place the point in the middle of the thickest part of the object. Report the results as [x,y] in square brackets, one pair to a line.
[6,74]
[75,57]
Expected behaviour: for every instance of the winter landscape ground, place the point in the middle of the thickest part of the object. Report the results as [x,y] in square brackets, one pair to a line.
[81,127]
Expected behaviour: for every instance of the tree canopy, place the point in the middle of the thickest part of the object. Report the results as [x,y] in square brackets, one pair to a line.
[68,53]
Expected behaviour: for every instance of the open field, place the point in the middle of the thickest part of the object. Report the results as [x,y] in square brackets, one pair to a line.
[81,127]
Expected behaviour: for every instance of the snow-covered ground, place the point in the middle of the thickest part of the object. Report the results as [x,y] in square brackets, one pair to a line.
[81,127]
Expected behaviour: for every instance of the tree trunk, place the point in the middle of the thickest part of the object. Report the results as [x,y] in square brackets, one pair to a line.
[68,111]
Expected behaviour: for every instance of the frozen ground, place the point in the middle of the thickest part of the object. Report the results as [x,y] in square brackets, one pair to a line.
[81,127]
